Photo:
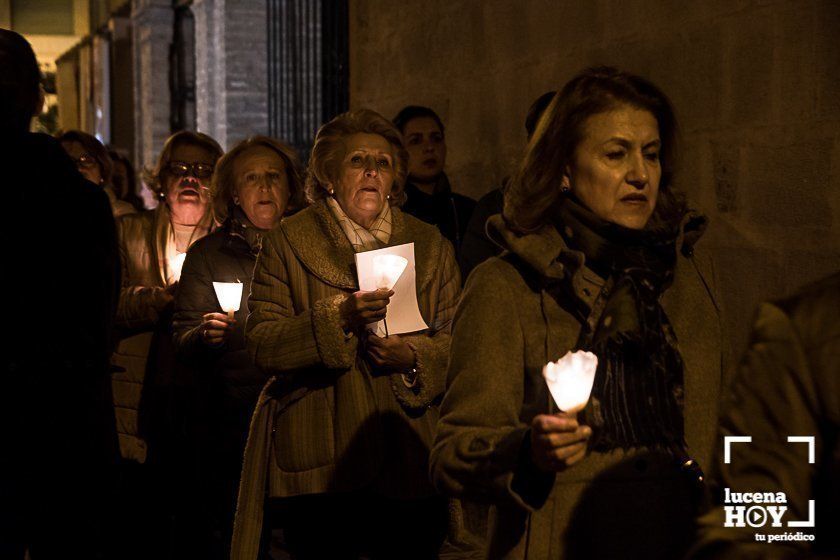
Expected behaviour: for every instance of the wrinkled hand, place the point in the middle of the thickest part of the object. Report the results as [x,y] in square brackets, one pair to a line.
[215,328]
[361,308]
[391,353]
[558,441]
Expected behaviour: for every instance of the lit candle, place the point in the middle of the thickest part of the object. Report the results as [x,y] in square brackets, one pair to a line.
[570,380]
[229,295]
[176,263]
[387,269]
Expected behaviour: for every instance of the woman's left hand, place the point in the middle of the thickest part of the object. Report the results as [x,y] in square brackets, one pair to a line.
[391,353]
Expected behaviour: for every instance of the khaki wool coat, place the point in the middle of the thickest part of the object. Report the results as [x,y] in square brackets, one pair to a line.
[621,504]
[326,422]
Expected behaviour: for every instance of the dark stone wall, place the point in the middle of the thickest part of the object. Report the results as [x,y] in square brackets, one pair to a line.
[755,84]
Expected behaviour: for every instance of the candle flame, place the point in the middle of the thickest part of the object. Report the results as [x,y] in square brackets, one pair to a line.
[229,295]
[176,264]
[387,269]
[570,379]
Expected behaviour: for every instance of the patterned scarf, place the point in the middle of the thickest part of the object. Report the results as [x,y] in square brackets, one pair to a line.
[637,398]
[363,239]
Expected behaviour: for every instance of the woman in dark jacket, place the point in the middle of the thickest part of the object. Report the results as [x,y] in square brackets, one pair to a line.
[600,257]
[255,184]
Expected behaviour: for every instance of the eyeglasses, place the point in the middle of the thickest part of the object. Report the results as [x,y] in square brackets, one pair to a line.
[182,169]
[84,162]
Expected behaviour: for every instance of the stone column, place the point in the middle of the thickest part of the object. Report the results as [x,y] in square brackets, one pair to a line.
[152,21]
[231,55]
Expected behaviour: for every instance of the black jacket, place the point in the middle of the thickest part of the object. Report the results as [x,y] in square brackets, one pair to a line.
[60,285]
[225,378]
[447,210]
[476,246]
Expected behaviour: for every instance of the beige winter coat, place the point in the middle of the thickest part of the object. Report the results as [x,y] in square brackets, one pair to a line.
[327,422]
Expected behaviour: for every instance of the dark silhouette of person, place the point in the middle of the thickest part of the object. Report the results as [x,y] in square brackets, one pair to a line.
[476,247]
[59,287]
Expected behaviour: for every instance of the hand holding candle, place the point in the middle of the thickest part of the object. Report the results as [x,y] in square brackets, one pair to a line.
[558,441]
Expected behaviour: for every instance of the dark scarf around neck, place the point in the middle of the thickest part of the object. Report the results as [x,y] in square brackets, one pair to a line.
[637,397]
[240,227]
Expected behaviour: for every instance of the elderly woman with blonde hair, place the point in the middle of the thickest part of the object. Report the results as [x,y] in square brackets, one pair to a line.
[255,184]
[341,435]
[152,247]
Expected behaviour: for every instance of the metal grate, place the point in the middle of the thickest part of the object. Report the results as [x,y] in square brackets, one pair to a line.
[182,71]
[307,67]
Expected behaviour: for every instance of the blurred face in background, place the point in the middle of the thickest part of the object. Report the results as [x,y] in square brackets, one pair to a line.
[426,149]
[186,181]
[616,168]
[85,162]
[262,186]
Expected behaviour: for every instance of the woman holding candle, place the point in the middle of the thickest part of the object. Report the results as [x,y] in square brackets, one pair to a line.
[601,258]
[152,245]
[341,434]
[255,184]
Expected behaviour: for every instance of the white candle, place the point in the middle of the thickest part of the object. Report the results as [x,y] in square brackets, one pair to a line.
[570,380]
[387,269]
[229,295]
[176,263]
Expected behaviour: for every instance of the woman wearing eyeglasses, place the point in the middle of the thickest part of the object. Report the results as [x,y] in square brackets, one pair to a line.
[95,165]
[152,246]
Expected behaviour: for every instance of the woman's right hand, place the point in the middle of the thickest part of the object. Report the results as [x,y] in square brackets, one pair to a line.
[215,328]
[361,308]
[557,441]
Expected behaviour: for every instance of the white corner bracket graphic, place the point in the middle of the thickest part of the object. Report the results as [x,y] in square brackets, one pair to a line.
[812,446]
[727,443]
[811,521]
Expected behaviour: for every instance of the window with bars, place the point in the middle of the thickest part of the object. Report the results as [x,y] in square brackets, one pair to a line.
[307,67]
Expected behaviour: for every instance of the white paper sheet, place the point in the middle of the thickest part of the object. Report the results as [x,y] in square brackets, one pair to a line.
[403,312]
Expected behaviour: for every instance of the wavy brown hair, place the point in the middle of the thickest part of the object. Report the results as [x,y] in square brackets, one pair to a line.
[223,183]
[154,177]
[329,149]
[536,186]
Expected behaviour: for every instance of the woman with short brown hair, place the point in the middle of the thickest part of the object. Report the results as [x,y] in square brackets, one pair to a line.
[255,185]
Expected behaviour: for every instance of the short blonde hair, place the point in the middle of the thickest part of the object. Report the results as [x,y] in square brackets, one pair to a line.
[154,177]
[328,152]
[223,183]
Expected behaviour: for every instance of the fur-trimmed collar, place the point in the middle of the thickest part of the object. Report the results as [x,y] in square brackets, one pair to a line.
[321,246]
